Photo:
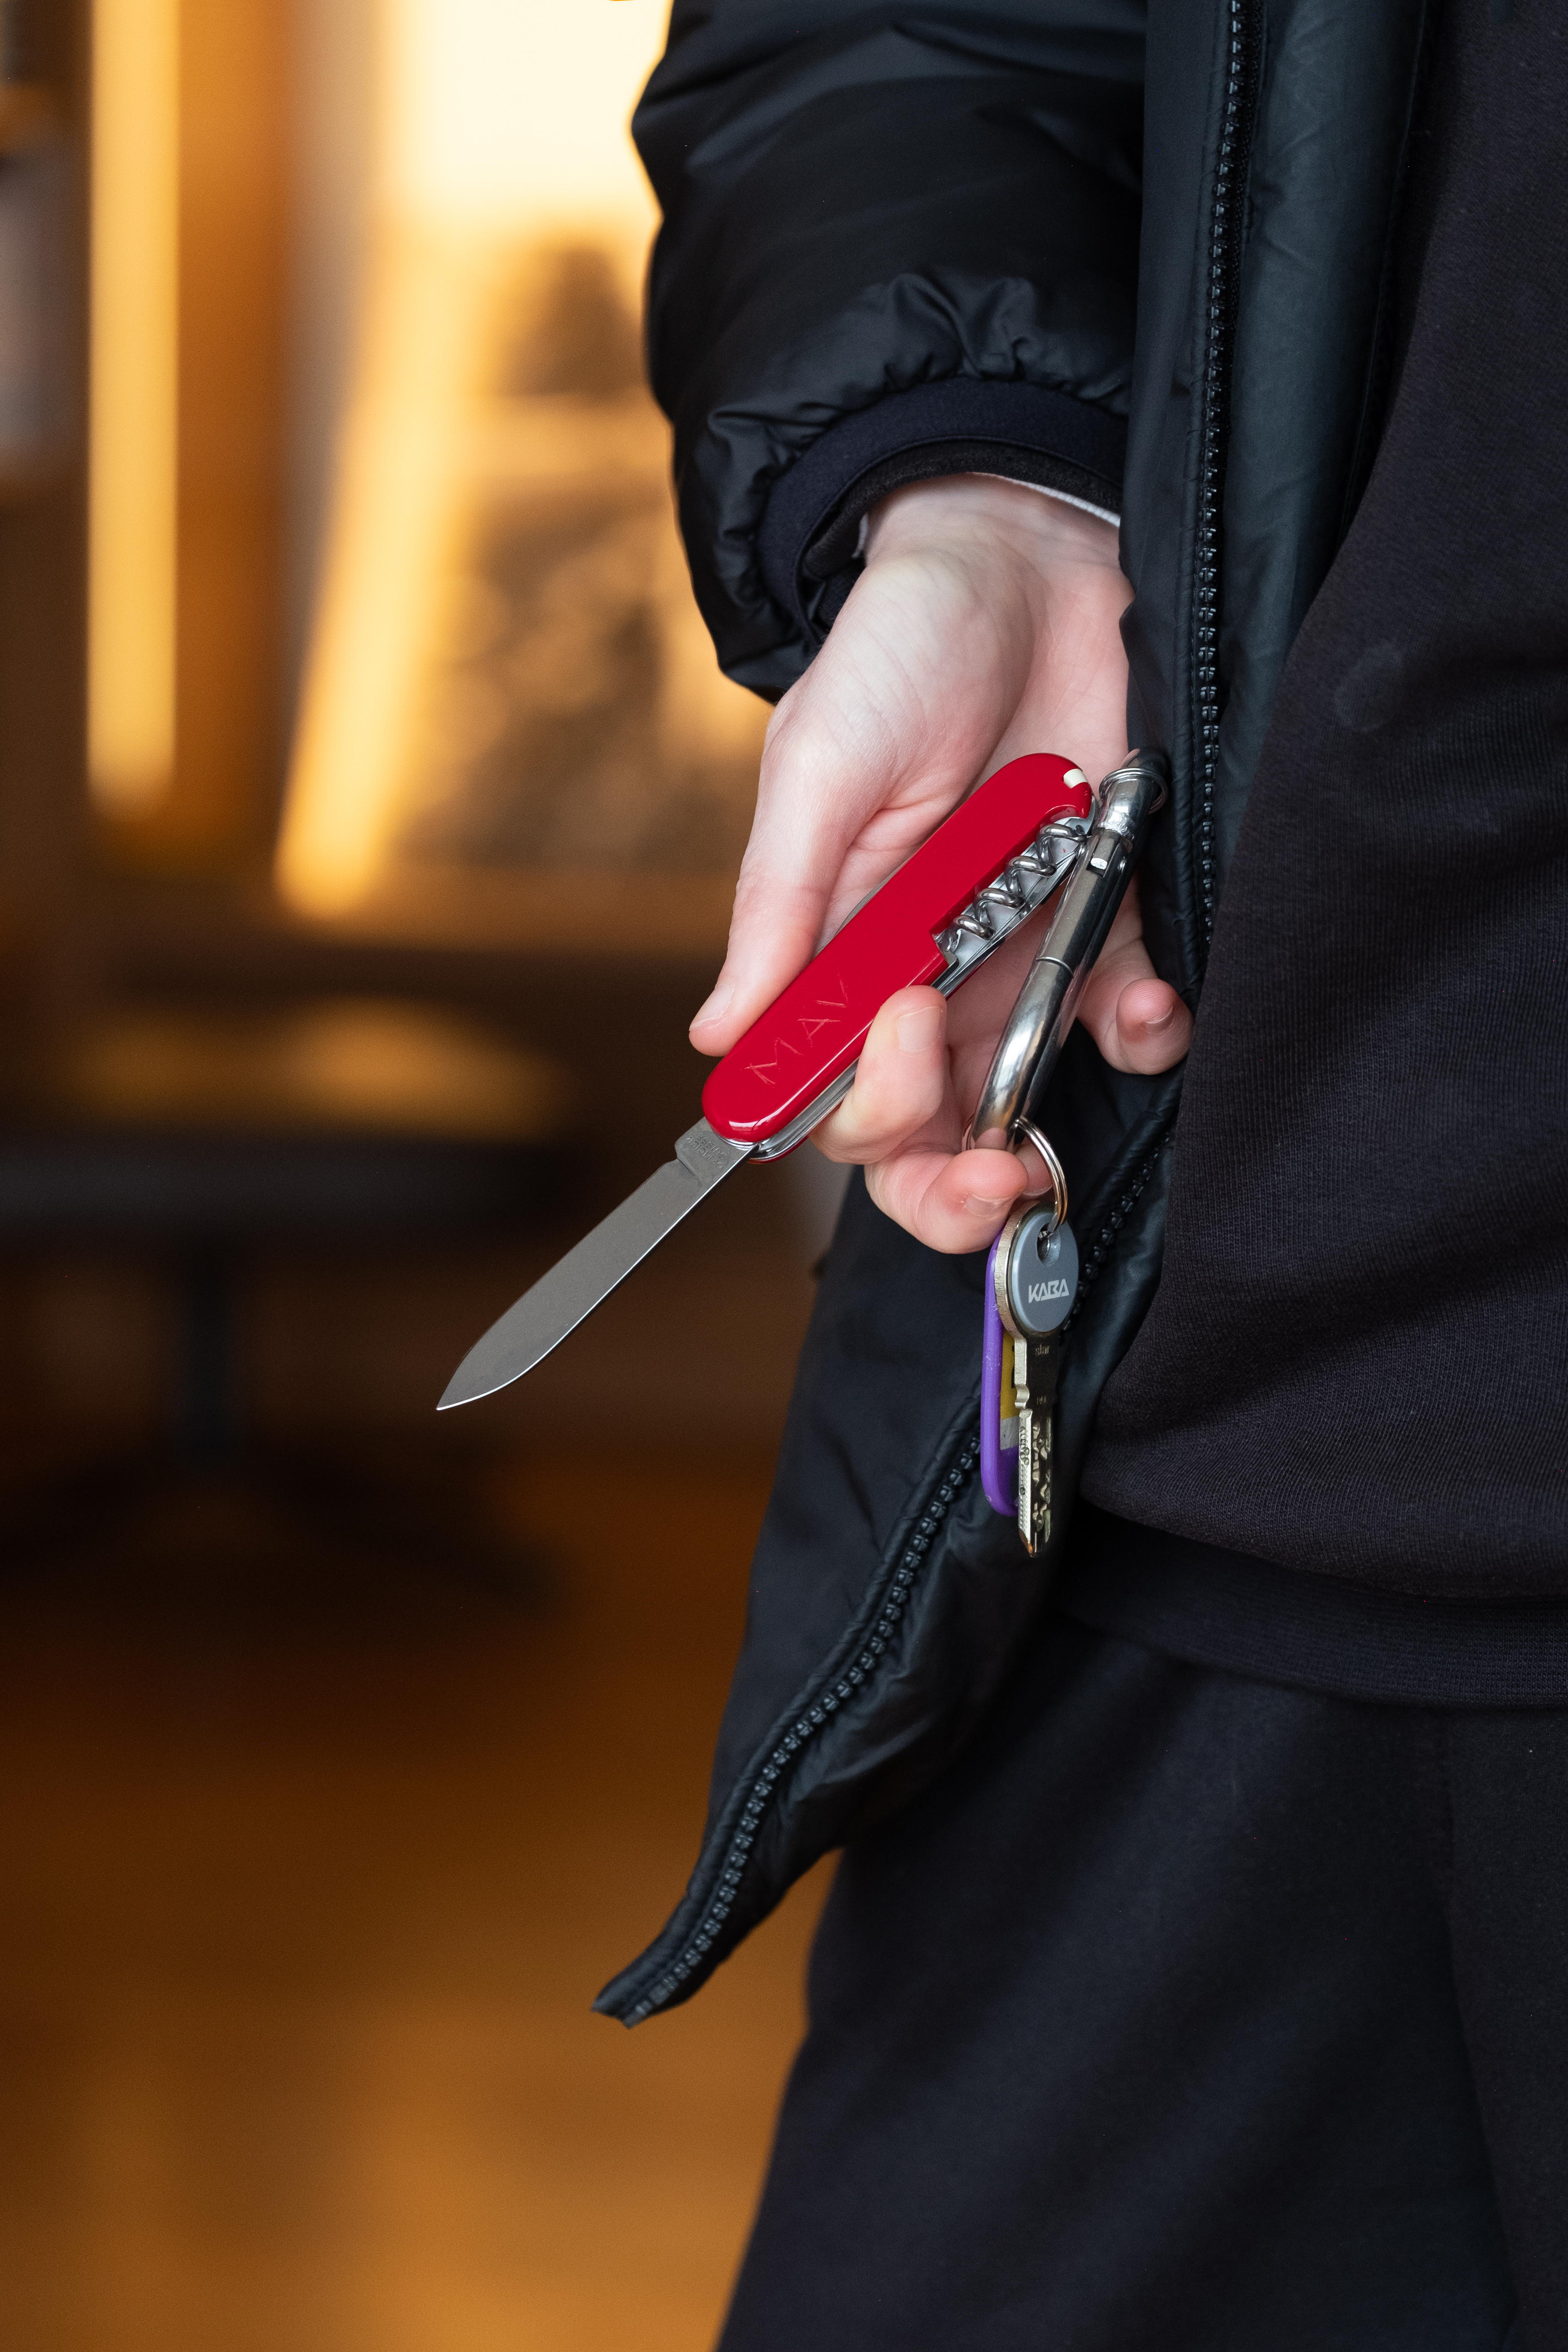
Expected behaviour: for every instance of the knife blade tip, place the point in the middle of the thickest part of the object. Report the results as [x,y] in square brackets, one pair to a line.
[460,1391]
[469,1382]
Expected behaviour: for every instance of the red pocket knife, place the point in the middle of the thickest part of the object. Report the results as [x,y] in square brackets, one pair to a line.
[983,872]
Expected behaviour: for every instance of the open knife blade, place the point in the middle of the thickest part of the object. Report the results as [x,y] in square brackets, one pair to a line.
[599,1263]
[982,872]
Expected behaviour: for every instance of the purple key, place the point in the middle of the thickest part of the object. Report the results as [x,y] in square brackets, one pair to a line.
[998,1430]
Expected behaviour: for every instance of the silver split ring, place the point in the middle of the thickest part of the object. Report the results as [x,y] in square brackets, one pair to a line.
[1025,1130]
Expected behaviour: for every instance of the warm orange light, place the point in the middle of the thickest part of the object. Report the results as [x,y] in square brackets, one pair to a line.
[513,113]
[494,117]
[391,509]
[134,402]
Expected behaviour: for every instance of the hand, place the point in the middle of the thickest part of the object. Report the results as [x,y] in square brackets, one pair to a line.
[985,625]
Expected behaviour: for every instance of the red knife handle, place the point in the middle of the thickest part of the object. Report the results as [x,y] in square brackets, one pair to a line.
[812,1032]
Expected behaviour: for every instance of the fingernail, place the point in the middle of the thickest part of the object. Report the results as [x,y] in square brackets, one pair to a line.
[717,1005]
[977,1205]
[1165,1020]
[917,1031]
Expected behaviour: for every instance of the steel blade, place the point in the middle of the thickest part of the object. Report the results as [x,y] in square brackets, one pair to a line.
[572,1289]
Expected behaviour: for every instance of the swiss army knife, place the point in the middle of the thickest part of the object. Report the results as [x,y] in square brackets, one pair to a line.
[933,922]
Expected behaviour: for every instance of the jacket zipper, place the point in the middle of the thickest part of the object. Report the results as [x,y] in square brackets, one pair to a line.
[773,1774]
[1219,320]
[1094,1258]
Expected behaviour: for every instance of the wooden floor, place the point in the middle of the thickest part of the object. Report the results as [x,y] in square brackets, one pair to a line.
[307,1878]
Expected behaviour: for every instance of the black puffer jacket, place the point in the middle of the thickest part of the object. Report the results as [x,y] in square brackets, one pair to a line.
[1143,258]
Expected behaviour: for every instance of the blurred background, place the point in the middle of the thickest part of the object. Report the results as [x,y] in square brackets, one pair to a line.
[370,805]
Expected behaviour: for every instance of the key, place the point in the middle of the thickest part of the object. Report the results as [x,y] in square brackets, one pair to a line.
[1037,1373]
[1033,1281]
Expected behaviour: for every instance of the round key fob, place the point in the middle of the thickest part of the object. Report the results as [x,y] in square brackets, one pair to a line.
[1037,1281]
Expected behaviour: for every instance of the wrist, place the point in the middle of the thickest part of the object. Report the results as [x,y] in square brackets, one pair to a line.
[955,509]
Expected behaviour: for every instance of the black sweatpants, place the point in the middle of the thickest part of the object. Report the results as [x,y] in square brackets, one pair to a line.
[1187,2012]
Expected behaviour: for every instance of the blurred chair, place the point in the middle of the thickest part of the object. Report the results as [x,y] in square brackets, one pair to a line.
[201,1138]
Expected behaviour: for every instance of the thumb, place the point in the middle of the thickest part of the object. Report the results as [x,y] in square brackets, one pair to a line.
[773,933]
[820,781]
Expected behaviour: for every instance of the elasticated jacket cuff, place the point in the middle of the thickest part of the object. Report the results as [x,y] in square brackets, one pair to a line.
[809,538]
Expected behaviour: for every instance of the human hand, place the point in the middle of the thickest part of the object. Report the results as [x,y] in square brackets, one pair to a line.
[983,626]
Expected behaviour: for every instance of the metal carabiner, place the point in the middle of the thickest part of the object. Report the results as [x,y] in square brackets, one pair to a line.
[1007,1111]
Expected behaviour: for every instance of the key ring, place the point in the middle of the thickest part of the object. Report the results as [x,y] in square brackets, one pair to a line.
[1025,1131]
[1029,1133]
